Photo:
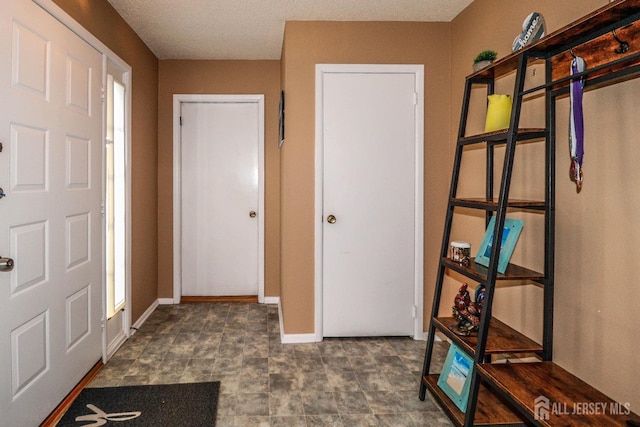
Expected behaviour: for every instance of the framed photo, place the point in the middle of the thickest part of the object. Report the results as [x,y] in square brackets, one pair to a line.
[455,379]
[510,234]
[281,120]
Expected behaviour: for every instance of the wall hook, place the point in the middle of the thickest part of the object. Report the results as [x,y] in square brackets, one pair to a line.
[624,46]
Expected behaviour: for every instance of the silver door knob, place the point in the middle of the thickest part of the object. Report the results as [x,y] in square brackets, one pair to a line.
[252,214]
[2,193]
[331,219]
[6,264]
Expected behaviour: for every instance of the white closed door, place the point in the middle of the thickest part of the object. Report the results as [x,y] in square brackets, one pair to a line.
[50,170]
[220,198]
[368,131]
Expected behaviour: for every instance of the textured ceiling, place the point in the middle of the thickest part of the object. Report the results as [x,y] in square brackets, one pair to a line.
[253,29]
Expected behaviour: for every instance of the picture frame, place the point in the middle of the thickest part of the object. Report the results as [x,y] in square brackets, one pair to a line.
[281,120]
[510,234]
[455,378]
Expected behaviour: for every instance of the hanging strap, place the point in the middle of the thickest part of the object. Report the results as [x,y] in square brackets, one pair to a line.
[576,123]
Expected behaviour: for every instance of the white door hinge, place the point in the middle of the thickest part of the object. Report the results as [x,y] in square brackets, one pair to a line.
[415,98]
[414,311]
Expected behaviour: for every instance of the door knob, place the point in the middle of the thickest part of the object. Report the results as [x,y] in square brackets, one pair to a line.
[6,264]
[252,214]
[331,219]
[2,193]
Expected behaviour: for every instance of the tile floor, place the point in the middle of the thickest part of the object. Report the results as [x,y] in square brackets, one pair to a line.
[337,382]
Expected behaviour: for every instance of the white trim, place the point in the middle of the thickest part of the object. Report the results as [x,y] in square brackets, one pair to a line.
[293,338]
[145,316]
[116,343]
[167,301]
[418,71]
[177,196]
[271,300]
[108,55]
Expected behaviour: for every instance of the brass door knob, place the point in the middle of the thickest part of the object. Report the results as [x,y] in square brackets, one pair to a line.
[252,214]
[331,219]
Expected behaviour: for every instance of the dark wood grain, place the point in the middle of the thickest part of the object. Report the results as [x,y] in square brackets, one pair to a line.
[525,382]
[601,18]
[492,204]
[501,338]
[491,410]
[478,272]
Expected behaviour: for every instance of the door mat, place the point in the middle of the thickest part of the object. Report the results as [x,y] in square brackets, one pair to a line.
[193,404]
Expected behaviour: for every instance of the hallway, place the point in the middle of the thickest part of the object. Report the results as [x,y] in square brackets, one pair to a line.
[337,382]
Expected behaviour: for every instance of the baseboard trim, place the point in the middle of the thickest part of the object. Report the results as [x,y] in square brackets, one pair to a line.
[62,408]
[166,301]
[239,298]
[272,300]
[293,338]
[145,316]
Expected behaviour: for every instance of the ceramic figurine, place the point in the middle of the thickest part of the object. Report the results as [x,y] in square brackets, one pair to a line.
[466,312]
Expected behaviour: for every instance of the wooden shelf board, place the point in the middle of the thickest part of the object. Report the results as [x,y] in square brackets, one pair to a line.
[592,23]
[501,135]
[479,272]
[490,410]
[525,382]
[501,338]
[492,204]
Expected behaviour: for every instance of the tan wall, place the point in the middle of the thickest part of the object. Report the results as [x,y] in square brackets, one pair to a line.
[103,22]
[218,77]
[307,44]
[596,296]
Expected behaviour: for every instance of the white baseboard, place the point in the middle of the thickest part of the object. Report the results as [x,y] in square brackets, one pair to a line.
[144,316]
[271,300]
[293,338]
[165,301]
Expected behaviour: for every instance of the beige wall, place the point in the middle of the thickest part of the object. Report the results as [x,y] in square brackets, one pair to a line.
[103,22]
[218,77]
[596,296]
[305,45]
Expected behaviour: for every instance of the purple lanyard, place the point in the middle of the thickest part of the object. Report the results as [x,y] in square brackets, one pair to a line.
[576,123]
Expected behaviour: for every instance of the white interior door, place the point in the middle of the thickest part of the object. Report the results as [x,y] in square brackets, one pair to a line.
[220,198]
[369,139]
[50,170]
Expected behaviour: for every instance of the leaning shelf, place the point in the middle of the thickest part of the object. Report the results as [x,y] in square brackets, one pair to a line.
[512,389]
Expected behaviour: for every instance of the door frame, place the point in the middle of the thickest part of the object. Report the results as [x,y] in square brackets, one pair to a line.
[418,72]
[107,56]
[178,99]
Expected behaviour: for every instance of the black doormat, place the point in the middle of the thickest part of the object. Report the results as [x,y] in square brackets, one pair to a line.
[192,404]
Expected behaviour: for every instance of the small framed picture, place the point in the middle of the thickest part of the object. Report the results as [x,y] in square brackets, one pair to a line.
[455,378]
[510,234]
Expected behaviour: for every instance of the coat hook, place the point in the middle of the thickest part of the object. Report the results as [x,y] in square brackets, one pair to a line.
[624,46]
[572,54]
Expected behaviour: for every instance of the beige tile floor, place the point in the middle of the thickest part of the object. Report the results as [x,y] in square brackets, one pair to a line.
[337,382]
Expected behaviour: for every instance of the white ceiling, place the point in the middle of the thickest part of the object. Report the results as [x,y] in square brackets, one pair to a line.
[253,29]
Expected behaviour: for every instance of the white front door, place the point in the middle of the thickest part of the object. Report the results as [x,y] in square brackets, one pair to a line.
[50,170]
[220,203]
[369,211]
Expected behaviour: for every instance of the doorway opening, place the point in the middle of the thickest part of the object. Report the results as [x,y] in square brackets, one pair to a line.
[200,202]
